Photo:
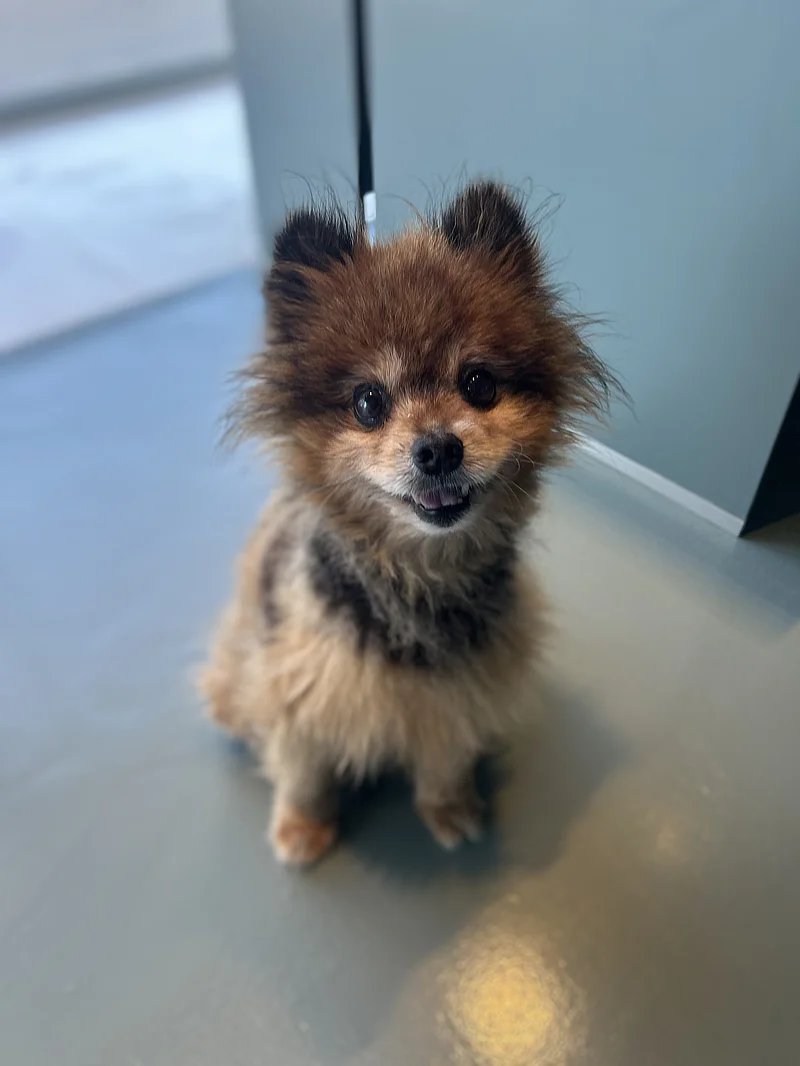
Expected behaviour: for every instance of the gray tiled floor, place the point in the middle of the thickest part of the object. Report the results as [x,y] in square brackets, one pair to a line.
[635,903]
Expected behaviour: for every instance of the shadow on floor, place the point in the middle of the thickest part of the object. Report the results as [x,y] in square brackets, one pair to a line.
[533,791]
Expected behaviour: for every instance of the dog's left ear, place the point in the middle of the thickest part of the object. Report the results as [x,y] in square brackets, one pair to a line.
[488,218]
[311,241]
[315,237]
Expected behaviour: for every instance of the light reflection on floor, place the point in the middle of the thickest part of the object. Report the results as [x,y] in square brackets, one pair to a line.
[505,1006]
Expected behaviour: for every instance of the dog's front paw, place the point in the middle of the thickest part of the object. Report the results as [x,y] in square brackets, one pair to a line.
[298,840]
[453,822]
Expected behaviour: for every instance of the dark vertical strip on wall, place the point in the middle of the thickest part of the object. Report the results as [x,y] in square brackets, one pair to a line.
[778,493]
[366,181]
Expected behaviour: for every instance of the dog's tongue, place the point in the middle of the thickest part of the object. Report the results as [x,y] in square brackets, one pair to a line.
[432,501]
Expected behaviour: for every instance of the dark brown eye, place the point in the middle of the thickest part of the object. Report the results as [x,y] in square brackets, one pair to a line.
[371,405]
[478,388]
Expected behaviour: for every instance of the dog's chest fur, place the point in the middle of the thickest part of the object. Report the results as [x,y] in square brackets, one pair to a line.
[430,629]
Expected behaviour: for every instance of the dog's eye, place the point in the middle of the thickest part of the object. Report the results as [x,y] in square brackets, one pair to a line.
[478,388]
[371,405]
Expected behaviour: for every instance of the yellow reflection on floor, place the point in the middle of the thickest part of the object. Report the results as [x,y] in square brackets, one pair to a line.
[506,1008]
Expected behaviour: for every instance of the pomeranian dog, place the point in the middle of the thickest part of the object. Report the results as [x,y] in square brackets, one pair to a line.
[414,392]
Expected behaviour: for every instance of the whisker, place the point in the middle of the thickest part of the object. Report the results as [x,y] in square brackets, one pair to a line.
[519,488]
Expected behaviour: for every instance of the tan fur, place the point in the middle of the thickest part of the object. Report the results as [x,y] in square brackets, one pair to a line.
[310,703]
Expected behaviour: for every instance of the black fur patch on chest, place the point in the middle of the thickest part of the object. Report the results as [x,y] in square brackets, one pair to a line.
[421,632]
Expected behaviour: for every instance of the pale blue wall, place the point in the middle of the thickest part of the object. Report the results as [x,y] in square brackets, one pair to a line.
[672,129]
[294,60]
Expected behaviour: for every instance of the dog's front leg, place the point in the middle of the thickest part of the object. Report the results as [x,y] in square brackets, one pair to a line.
[447,800]
[304,822]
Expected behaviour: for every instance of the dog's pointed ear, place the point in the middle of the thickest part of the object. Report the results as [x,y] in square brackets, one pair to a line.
[316,238]
[488,218]
[311,241]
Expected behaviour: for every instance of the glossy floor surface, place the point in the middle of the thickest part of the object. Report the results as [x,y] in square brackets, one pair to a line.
[635,902]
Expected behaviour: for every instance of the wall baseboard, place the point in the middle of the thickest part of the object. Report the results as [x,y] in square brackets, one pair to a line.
[111,92]
[663,486]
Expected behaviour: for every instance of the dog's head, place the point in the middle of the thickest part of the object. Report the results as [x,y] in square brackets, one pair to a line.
[426,381]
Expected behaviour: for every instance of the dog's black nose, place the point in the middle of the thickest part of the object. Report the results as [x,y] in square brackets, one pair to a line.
[437,453]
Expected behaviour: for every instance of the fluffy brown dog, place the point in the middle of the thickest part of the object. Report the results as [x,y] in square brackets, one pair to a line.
[415,391]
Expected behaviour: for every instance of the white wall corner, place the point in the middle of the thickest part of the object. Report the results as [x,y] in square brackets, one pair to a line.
[663,486]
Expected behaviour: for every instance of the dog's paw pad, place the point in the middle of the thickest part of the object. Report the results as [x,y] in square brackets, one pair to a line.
[452,823]
[298,840]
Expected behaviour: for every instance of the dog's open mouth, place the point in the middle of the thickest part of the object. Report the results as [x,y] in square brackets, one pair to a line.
[442,506]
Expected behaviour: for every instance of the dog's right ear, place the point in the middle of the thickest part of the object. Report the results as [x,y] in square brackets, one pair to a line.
[311,242]
[489,219]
